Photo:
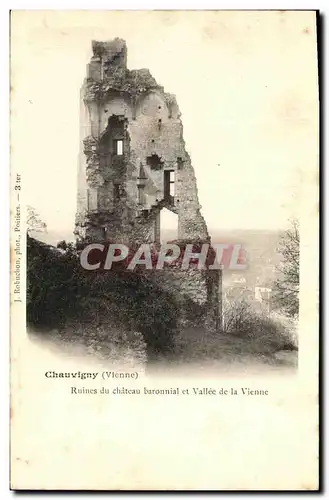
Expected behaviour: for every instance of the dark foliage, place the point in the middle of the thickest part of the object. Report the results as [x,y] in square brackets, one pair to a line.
[59,290]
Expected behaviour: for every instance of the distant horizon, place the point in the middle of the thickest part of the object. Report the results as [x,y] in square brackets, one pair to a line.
[63,235]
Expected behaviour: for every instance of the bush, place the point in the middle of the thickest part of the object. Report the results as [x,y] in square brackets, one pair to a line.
[60,291]
[241,319]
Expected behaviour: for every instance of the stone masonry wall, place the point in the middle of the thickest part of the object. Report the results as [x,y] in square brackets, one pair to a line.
[131,147]
[152,129]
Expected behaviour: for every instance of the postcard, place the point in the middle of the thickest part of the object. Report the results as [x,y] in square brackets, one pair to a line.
[164,250]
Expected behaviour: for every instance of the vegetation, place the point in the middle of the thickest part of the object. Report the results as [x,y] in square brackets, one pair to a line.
[267,333]
[34,222]
[60,291]
[129,311]
[286,287]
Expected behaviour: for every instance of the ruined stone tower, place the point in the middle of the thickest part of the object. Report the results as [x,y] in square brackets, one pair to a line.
[133,163]
[133,160]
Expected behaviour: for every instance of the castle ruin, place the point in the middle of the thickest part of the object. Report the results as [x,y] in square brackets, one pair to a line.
[133,162]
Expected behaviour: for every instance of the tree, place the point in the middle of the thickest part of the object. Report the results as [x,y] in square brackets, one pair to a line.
[34,222]
[286,287]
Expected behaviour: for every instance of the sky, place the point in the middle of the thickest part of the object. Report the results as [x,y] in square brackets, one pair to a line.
[245,82]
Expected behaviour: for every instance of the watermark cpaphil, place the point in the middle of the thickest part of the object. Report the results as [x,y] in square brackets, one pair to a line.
[199,255]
